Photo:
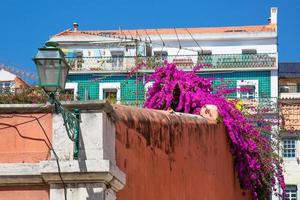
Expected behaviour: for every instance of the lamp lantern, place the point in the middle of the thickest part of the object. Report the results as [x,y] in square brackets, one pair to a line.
[52,68]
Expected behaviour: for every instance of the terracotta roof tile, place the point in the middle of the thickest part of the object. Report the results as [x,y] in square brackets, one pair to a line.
[169,31]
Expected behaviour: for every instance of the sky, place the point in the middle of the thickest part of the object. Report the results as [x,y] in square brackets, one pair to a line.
[26,25]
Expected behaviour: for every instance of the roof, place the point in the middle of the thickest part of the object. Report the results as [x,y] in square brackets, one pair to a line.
[289,69]
[6,75]
[172,31]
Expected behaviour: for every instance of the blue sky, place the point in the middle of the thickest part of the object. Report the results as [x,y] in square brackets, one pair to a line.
[26,25]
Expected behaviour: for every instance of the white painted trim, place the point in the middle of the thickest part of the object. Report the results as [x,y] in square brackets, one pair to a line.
[147,86]
[245,83]
[274,83]
[110,85]
[73,86]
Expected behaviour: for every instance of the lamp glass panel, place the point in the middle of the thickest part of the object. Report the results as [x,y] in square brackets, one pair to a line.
[49,74]
[64,74]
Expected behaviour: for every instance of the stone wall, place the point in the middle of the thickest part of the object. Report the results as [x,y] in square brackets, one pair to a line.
[169,156]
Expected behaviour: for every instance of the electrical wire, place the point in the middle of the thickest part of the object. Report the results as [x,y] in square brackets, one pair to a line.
[194,39]
[148,36]
[137,33]
[49,144]
[178,43]
[133,39]
[163,43]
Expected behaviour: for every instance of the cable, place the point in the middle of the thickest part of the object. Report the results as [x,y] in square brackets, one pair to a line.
[194,39]
[133,39]
[137,33]
[148,36]
[11,116]
[163,43]
[178,43]
[50,146]
[130,35]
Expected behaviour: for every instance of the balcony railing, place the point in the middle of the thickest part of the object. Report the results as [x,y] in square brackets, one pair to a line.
[217,61]
[289,91]
[266,105]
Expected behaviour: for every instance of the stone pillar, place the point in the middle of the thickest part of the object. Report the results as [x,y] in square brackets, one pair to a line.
[95,174]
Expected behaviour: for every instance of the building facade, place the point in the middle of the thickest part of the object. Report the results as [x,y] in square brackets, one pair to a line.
[104,63]
[10,83]
[289,98]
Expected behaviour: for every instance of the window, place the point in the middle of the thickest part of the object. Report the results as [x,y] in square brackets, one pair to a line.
[148,51]
[204,52]
[248,89]
[72,90]
[248,93]
[298,87]
[249,51]
[5,87]
[204,57]
[110,92]
[289,148]
[161,54]
[110,95]
[160,57]
[117,59]
[291,192]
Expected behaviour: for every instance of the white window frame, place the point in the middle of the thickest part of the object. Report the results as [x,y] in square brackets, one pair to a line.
[73,86]
[291,139]
[103,86]
[241,83]
[291,189]
[147,87]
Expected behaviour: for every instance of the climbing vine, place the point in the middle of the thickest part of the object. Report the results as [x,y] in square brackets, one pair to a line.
[255,160]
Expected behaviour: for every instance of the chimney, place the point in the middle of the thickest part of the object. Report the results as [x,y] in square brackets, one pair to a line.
[273,17]
[75,26]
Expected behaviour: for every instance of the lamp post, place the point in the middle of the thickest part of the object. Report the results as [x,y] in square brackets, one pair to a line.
[52,70]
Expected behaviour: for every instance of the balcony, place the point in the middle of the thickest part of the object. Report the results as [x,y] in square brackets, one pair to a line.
[187,62]
[289,91]
[268,105]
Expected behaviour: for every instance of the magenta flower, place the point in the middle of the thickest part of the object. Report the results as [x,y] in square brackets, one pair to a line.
[256,163]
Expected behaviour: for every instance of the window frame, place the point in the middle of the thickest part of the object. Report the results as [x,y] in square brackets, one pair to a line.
[290,148]
[290,193]
[243,83]
[147,87]
[73,86]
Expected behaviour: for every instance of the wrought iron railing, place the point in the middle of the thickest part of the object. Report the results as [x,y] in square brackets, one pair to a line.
[258,105]
[216,61]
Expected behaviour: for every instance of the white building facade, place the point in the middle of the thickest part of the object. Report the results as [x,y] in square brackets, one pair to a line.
[246,56]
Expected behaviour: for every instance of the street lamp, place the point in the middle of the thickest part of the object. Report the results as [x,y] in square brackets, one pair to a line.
[52,70]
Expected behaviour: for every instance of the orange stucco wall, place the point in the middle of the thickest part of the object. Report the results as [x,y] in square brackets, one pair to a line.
[170,157]
[24,193]
[29,145]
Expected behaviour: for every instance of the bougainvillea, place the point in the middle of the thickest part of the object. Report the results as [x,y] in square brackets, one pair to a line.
[256,163]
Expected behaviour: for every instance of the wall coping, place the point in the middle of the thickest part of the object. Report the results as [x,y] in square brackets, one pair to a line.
[84,106]
[45,172]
